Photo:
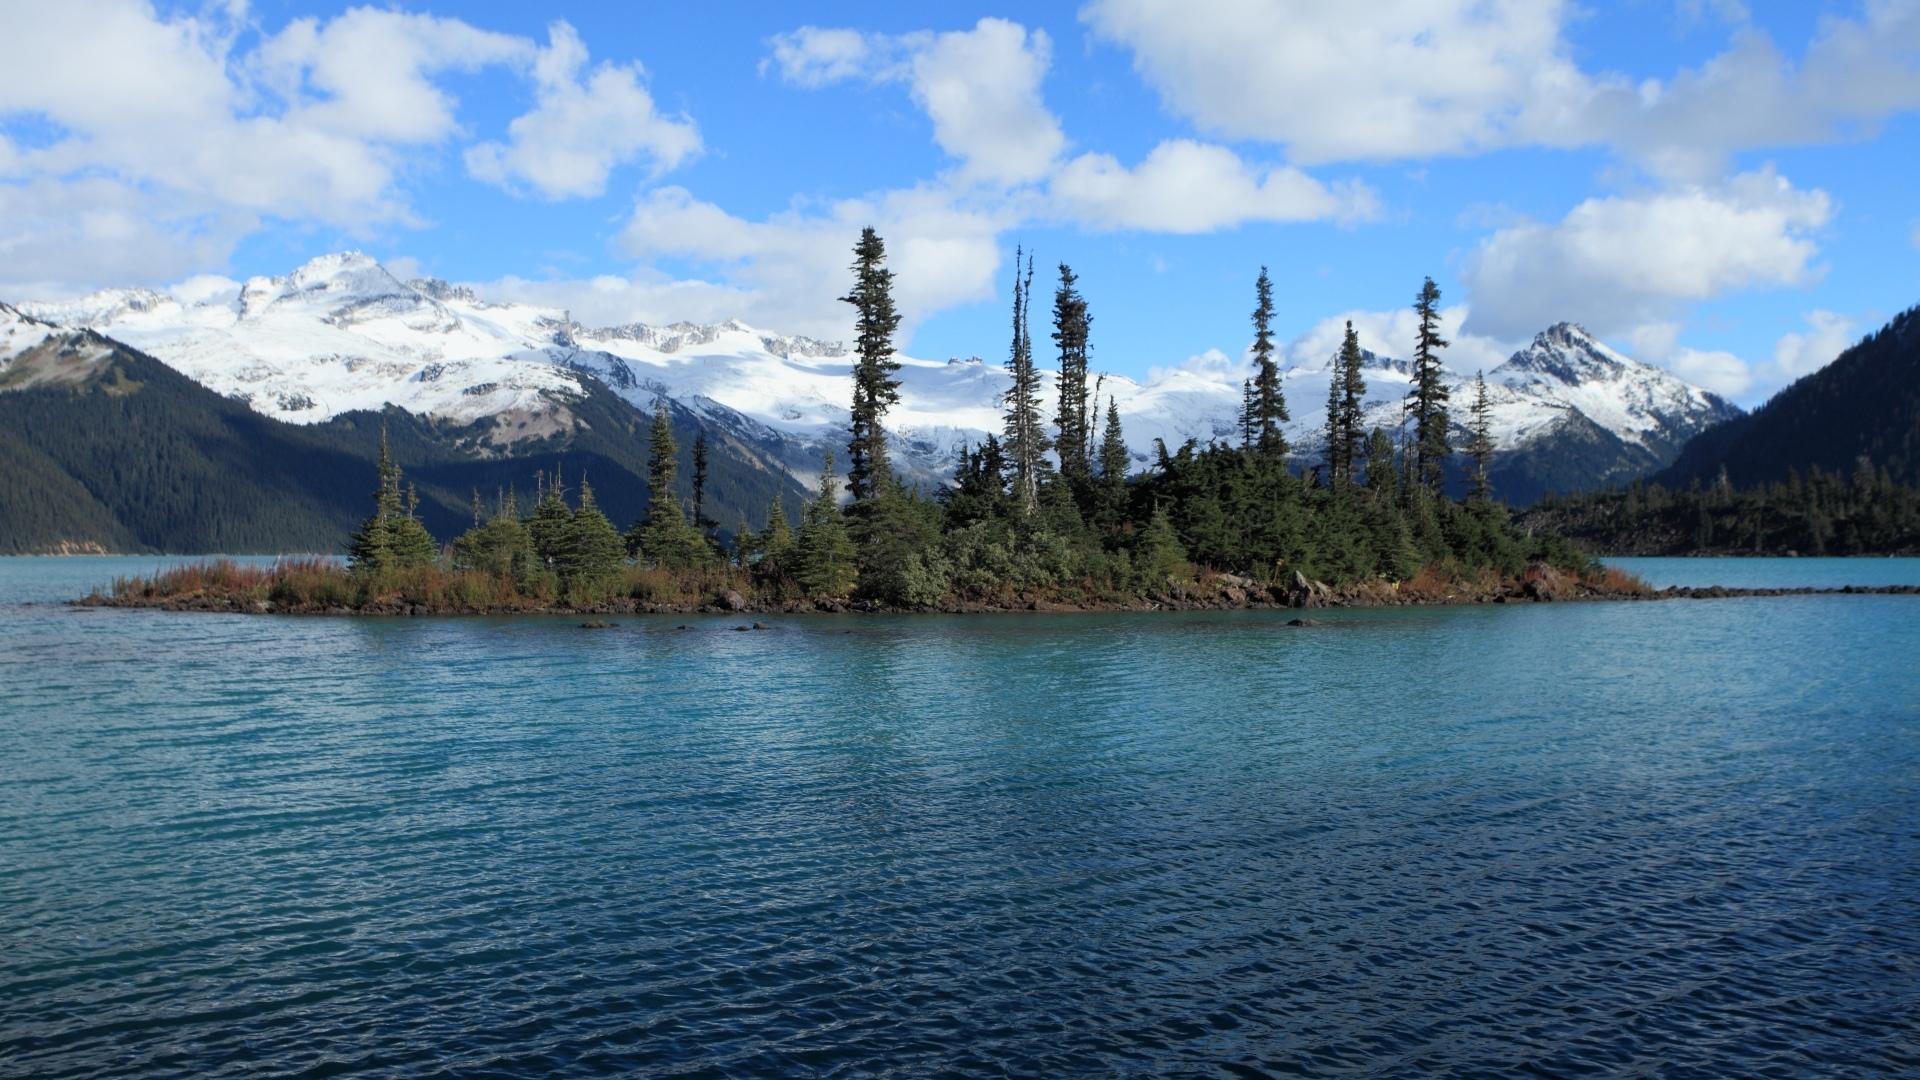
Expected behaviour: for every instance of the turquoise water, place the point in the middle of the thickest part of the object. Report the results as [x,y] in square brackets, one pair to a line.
[1552,838]
[1772,572]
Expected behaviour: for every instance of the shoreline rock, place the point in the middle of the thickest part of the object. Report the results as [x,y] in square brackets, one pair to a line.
[1299,594]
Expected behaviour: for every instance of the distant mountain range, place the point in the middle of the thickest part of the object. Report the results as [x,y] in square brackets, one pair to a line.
[103,448]
[494,390]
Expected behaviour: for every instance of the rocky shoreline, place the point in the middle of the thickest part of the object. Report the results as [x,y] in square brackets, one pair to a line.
[1224,592]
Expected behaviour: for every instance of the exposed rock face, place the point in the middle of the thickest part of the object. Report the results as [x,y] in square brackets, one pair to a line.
[1545,584]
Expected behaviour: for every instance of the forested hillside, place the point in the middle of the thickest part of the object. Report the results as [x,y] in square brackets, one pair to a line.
[122,453]
[1866,404]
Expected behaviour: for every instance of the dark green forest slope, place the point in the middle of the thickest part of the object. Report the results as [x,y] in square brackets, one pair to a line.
[1866,404]
[105,448]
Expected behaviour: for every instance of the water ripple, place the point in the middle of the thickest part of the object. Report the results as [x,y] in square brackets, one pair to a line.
[1673,838]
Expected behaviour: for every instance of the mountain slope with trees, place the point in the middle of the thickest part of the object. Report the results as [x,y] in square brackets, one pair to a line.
[1865,404]
[105,448]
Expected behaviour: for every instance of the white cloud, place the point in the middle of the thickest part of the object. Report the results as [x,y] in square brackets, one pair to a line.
[1419,78]
[1211,366]
[979,87]
[813,56]
[1392,334]
[1620,262]
[647,296]
[1189,187]
[943,250]
[1721,372]
[1797,354]
[367,73]
[579,130]
[1854,75]
[1406,79]
[169,145]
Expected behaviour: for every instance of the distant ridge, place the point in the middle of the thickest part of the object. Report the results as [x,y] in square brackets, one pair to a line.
[1866,403]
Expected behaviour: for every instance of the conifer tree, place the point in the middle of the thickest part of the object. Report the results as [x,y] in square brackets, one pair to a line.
[777,540]
[1346,399]
[1159,558]
[1380,471]
[1071,327]
[664,537]
[1027,442]
[1332,432]
[408,540]
[823,553]
[591,550]
[1248,420]
[371,547]
[1111,499]
[1480,439]
[548,526]
[393,536]
[500,546]
[874,385]
[700,519]
[1427,398]
[662,463]
[1270,401]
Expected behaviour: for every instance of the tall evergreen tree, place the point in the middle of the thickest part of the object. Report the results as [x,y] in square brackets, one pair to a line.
[1380,472]
[1427,398]
[1480,439]
[548,526]
[392,538]
[411,543]
[700,519]
[500,546]
[823,554]
[778,537]
[1114,461]
[1248,420]
[1072,325]
[371,546]
[1027,441]
[874,386]
[664,537]
[591,551]
[1346,401]
[1270,401]
[1332,428]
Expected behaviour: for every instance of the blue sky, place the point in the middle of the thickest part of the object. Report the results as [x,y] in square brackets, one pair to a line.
[1718,187]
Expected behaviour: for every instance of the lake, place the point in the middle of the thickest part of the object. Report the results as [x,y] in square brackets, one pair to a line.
[1668,837]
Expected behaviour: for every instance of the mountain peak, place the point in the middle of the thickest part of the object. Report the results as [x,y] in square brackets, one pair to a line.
[1567,353]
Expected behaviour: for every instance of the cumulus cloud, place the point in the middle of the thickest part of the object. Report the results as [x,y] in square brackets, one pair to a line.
[979,87]
[1392,334]
[1189,187]
[1721,372]
[814,56]
[580,130]
[1419,78]
[1854,75]
[170,144]
[1619,262]
[943,250]
[1796,353]
[1211,366]
[368,73]
[1413,78]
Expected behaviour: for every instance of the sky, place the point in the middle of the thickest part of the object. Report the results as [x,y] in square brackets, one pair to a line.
[1722,188]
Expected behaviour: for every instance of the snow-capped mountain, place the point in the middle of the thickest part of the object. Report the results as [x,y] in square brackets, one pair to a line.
[342,333]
